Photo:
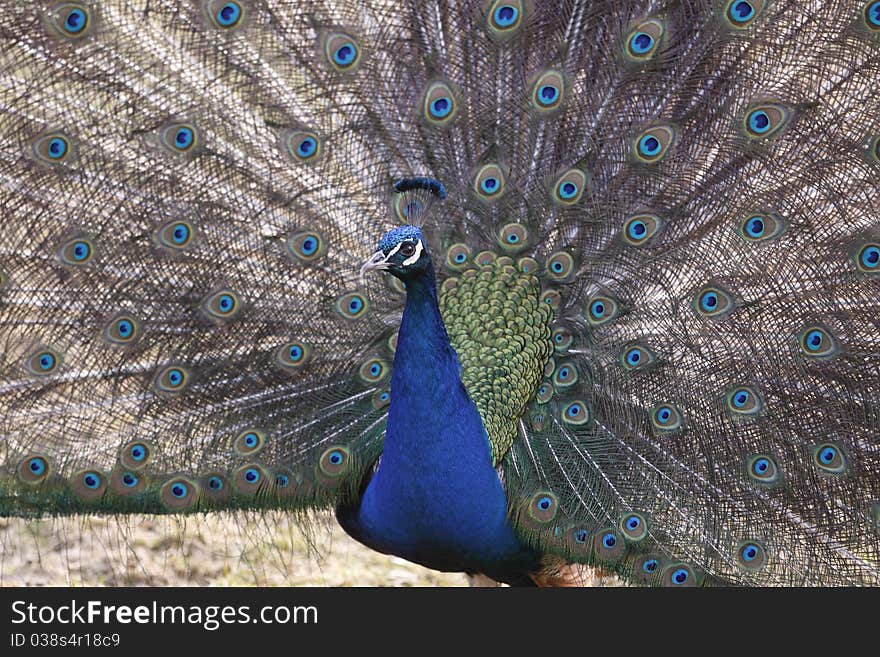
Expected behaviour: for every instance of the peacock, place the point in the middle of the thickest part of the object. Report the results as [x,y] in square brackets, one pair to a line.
[518,288]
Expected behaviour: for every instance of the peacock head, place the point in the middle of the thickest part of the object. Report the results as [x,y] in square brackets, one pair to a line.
[402,253]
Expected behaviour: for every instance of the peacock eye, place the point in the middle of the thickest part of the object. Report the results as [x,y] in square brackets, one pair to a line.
[407,249]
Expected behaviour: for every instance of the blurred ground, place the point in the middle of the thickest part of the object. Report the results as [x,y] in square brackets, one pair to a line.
[216,550]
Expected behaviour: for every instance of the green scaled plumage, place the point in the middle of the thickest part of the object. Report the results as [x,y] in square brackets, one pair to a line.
[657,260]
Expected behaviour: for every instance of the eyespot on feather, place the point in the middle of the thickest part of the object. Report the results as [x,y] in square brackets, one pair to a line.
[292,356]
[71,20]
[342,52]
[135,455]
[643,42]
[249,442]
[652,145]
[504,19]
[179,494]
[740,14]
[548,92]
[352,305]
[439,104]
[43,362]
[89,485]
[34,469]
[250,479]
[765,120]
[303,146]
[226,15]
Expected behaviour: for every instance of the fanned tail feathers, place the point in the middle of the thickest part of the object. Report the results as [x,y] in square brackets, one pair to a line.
[683,194]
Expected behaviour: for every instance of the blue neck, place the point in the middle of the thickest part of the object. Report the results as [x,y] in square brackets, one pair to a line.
[436,497]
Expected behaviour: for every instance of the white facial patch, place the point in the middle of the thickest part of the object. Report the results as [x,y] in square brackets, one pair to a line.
[413,258]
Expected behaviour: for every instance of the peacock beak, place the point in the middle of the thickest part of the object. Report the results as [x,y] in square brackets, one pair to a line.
[376,261]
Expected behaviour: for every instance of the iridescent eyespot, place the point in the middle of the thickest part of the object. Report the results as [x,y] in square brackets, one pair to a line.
[373,371]
[580,536]
[646,569]
[342,52]
[600,310]
[634,527]
[636,357]
[221,305]
[334,462]
[248,442]
[381,399]
[171,379]
[829,458]
[52,149]
[872,15]
[763,469]
[489,182]
[542,507]
[759,227]
[868,259]
[513,237]
[250,479]
[742,13]
[122,329]
[175,235]
[225,15]
[352,305]
[552,298]
[305,246]
[666,417]
[643,42]
[640,228]
[544,393]
[560,266]
[608,545]
[33,469]
[679,575]
[548,91]
[216,488]
[652,144]
[408,208]
[457,256]
[765,120]
[562,339]
[439,104]
[89,484]
[744,401]
[816,342]
[43,362]
[123,482]
[179,137]
[751,555]
[179,493]
[504,18]
[569,188]
[575,413]
[303,145]
[712,302]
[135,455]
[71,20]
[565,375]
[76,252]
[292,355]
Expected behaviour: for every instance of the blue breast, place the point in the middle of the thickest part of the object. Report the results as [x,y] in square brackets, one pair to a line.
[436,498]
